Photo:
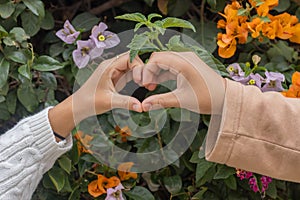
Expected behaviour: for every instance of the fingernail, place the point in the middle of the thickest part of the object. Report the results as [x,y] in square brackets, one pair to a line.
[147,106]
[136,107]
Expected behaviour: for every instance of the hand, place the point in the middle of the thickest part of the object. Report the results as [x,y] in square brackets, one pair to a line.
[97,95]
[199,88]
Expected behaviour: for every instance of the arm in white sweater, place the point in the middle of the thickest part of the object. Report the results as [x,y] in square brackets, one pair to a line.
[27,151]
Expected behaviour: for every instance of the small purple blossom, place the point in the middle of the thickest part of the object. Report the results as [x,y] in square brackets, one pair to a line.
[115,193]
[237,74]
[86,51]
[273,82]
[68,34]
[102,38]
[255,79]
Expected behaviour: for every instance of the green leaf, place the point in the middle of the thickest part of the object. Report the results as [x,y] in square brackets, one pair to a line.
[2,98]
[195,157]
[30,23]
[47,22]
[57,177]
[153,15]
[11,101]
[149,2]
[4,114]
[85,21]
[173,183]
[180,115]
[3,32]
[231,182]
[136,17]
[4,70]
[18,10]
[178,8]
[224,172]
[202,168]
[281,48]
[65,163]
[139,193]
[25,71]
[272,190]
[138,25]
[27,97]
[176,22]
[49,80]
[46,63]
[298,13]
[7,9]
[199,195]
[16,56]
[282,6]
[137,44]
[36,7]
[19,34]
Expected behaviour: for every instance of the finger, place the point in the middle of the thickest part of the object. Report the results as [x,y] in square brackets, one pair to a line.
[126,102]
[166,100]
[137,74]
[162,77]
[123,80]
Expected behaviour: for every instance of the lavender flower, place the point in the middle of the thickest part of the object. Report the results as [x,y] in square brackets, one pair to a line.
[86,51]
[115,194]
[255,79]
[273,82]
[237,74]
[102,38]
[68,34]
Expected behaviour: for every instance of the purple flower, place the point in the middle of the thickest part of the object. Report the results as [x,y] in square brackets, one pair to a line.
[265,180]
[68,34]
[102,38]
[86,51]
[237,74]
[273,82]
[115,194]
[253,184]
[255,79]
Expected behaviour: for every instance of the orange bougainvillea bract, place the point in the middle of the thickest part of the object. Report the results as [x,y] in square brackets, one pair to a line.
[83,141]
[294,90]
[99,186]
[238,24]
[124,171]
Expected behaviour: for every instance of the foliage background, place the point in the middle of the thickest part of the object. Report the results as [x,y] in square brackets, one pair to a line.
[36,70]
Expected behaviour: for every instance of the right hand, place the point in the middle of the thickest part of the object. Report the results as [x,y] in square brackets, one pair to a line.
[199,88]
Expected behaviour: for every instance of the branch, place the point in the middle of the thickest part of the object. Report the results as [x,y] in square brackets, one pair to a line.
[108,5]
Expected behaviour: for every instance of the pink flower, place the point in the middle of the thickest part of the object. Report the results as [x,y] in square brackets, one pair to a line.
[102,38]
[68,34]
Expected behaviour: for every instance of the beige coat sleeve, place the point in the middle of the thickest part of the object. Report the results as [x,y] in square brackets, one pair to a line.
[258,132]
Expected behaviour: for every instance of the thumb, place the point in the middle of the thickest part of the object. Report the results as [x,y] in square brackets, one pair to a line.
[126,102]
[157,101]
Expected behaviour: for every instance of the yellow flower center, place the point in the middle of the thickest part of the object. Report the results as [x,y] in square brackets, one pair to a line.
[252,82]
[101,37]
[231,68]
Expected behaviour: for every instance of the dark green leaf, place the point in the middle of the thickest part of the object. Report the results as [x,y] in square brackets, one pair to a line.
[199,195]
[49,80]
[298,13]
[281,48]
[149,2]
[177,8]
[136,17]
[65,163]
[180,115]
[11,101]
[16,56]
[57,177]
[27,97]
[18,10]
[176,22]
[231,182]
[3,32]
[2,98]
[25,71]
[4,114]
[75,195]
[46,63]
[202,168]
[85,21]
[19,34]
[272,190]
[139,193]
[195,157]
[173,183]
[7,9]
[36,7]
[224,172]
[47,22]
[30,23]
[4,70]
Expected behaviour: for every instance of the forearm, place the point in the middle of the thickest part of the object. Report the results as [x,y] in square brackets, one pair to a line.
[259,132]
[27,151]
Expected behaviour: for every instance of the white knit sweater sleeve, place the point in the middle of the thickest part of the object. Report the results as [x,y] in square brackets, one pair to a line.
[27,151]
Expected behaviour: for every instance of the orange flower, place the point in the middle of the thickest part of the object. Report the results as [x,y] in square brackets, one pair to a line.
[83,141]
[97,187]
[264,8]
[124,132]
[294,90]
[124,171]
[227,46]
[94,189]
[255,26]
